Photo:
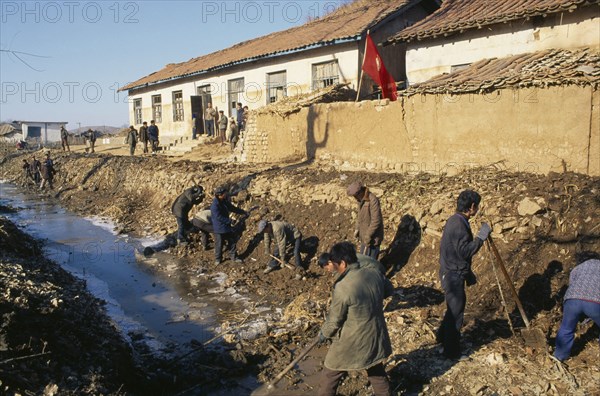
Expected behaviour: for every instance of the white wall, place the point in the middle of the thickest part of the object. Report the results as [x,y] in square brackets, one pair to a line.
[50,130]
[432,57]
[299,80]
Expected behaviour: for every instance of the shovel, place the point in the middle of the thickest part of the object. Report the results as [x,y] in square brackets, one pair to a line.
[265,389]
[532,336]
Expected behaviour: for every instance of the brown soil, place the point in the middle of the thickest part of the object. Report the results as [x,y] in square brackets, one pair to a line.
[137,193]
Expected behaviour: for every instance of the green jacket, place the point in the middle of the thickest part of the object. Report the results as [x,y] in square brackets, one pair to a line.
[282,234]
[355,321]
[370,262]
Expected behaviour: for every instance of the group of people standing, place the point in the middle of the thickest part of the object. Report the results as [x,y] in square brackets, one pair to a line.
[41,173]
[146,134]
[219,126]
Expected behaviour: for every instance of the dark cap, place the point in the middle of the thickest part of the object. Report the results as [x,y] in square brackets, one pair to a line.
[220,190]
[354,188]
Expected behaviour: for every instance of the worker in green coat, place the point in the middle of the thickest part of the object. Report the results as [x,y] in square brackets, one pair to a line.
[355,322]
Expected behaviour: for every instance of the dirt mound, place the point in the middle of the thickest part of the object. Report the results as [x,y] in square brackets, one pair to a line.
[539,222]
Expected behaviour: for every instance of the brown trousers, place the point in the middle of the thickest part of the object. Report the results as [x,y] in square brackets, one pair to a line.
[376,374]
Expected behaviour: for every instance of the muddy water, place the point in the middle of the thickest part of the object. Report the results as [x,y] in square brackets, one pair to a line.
[146,304]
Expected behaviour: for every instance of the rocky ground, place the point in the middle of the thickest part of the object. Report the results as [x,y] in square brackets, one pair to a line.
[539,222]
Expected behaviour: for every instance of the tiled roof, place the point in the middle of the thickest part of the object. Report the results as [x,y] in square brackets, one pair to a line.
[346,23]
[6,129]
[538,69]
[459,15]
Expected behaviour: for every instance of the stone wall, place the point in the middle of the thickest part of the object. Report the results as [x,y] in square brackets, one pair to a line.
[534,129]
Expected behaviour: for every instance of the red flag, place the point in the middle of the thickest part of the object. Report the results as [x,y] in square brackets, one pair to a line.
[374,67]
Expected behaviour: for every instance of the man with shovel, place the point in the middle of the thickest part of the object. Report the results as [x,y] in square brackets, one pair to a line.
[457,248]
[281,233]
[355,321]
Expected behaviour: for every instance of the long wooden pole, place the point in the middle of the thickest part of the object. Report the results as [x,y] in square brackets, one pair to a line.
[361,68]
[510,283]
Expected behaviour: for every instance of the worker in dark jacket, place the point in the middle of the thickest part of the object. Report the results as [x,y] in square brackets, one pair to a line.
[143,134]
[457,248]
[219,210]
[369,222]
[355,321]
[181,209]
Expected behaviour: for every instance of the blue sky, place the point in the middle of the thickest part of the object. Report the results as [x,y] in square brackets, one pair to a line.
[85,50]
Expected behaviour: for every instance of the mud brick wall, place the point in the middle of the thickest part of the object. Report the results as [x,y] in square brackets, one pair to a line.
[532,129]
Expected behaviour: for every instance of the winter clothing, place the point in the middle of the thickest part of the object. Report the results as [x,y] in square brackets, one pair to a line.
[581,300]
[355,320]
[203,222]
[220,209]
[376,374]
[48,172]
[64,139]
[457,248]
[143,134]
[282,234]
[131,140]
[153,137]
[369,224]
[369,262]
[181,208]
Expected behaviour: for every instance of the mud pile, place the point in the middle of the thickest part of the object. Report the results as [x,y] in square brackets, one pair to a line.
[539,222]
[55,338]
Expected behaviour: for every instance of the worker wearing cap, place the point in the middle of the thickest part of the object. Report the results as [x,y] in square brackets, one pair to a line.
[220,209]
[282,233]
[369,222]
[181,208]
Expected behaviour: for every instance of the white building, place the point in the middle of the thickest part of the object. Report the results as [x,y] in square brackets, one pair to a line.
[257,72]
[42,131]
[462,32]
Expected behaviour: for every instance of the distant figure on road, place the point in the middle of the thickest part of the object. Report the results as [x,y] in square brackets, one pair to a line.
[143,134]
[64,138]
[91,135]
[131,139]
[153,136]
[239,116]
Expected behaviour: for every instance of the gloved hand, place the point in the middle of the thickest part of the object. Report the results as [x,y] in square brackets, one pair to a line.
[322,338]
[356,234]
[484,231]
[471,279]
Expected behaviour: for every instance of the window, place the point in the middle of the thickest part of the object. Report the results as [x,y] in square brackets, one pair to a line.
[325,74]
[157,108]
[177,106]
[276,86]
[137,111]
[204,90]
[235,91]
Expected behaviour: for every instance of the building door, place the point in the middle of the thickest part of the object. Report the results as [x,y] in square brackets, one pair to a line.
[235,90]
[198,113]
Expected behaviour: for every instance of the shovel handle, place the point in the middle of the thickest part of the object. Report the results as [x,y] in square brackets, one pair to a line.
[304,352]
[492,247]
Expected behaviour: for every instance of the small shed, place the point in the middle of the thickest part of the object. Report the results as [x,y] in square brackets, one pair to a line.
[42,131]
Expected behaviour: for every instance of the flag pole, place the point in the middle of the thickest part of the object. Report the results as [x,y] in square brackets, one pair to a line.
[361,67]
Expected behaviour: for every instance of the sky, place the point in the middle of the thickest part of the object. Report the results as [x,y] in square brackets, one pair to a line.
[64,61]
